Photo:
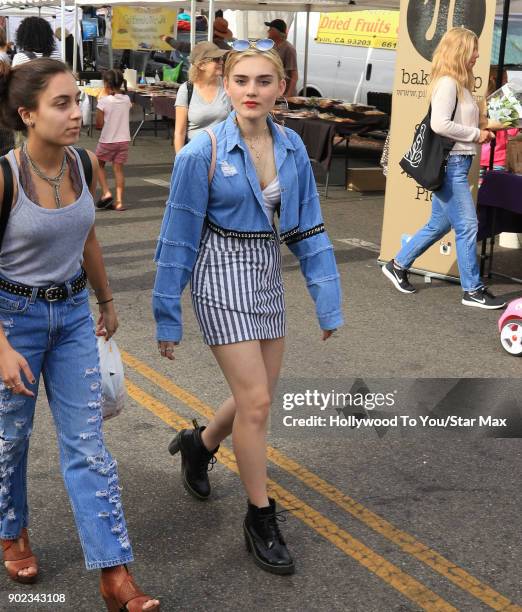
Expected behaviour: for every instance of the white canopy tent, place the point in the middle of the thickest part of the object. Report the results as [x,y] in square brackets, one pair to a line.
[291,6]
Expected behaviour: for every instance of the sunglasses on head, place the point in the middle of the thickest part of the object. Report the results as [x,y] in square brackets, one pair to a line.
[265,44]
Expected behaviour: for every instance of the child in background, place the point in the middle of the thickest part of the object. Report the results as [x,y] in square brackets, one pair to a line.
[112,117]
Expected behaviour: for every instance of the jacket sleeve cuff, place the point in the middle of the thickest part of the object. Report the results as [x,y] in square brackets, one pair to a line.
[332,320]
[172,333]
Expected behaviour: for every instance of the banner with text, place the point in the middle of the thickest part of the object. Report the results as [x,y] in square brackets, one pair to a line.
[140,28]
[378,29]
[407,205]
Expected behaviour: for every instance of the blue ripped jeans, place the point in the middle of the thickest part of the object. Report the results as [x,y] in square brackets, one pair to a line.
[57,339]
[452,207]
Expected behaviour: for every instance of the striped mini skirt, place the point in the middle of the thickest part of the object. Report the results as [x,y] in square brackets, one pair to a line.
[237,289]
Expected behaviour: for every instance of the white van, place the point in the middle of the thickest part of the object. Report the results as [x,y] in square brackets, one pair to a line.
[340,71]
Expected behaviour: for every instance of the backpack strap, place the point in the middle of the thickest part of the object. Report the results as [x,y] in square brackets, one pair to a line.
[7,200]
[87,165]
[213,156]
[190,91]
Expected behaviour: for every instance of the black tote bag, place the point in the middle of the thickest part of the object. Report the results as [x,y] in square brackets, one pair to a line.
[426,160]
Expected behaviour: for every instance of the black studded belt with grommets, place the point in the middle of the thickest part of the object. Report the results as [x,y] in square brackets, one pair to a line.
[51,294]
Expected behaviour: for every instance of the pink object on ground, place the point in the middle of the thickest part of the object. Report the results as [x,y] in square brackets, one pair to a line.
[510,328]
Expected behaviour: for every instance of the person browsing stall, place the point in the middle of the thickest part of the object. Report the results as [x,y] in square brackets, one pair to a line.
[277,31]
[202,101]
[221,34]
[34,39]
[219,232]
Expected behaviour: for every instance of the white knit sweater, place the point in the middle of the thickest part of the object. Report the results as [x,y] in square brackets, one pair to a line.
[464,127]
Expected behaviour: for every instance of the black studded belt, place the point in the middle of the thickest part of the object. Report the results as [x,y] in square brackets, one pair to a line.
[51,294]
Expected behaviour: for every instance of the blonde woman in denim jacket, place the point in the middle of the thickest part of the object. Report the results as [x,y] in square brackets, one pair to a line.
[222,237]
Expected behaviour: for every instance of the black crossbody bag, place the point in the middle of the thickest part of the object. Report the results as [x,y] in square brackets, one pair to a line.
[426,159]
[7,198]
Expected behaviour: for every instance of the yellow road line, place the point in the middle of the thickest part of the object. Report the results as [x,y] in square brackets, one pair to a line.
[405,541]
[386,571]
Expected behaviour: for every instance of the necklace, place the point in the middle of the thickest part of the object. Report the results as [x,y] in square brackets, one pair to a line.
[255,144]
[53,181]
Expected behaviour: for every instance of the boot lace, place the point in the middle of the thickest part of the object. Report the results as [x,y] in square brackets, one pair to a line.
[270,523]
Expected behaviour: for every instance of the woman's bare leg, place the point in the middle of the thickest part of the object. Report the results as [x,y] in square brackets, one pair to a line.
[220,427]
[243,365]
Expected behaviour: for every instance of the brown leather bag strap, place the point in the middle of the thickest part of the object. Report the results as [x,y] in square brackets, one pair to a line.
[213,155]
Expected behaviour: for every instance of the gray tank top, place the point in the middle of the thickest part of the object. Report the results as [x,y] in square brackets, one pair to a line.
[43,246]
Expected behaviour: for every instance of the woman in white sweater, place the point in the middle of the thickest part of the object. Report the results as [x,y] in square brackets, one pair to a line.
[452,83]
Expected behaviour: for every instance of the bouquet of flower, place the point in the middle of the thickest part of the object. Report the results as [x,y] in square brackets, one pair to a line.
[505,105]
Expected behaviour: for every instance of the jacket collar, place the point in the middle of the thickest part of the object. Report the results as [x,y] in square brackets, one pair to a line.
[233,135]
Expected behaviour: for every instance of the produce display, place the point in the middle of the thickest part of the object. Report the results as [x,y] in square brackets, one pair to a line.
[327,109]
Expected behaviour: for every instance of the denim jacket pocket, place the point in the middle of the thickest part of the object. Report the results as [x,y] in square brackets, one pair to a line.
[12,303]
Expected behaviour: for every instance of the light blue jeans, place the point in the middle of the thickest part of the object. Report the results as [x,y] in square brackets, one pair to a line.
[451,207]
[57,339]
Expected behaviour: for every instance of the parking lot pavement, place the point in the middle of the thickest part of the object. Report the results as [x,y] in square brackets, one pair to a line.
[381,517]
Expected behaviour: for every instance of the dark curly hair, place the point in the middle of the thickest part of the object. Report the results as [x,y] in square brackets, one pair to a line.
[35,34]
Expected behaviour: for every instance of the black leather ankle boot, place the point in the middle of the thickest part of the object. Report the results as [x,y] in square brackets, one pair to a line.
[265,541]
[195,460]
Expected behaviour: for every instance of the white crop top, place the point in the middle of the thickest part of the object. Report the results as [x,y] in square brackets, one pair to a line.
[271,198]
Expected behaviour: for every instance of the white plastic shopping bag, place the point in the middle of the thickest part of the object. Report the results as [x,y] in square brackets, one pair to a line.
[85,108]
[113,381]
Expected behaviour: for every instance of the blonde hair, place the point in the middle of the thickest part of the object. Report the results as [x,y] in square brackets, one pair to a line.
[451,58]
[194,72]
[234,57]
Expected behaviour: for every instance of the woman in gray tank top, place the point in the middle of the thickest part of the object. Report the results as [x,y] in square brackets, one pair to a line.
[48,252]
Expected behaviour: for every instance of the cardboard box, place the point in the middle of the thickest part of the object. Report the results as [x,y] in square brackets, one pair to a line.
[366,179]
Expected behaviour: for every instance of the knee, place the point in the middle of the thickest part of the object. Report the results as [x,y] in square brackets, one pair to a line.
[467,228]
[257,407]
[438,226]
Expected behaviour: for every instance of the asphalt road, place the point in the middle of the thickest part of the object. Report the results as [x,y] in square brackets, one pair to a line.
[382,516]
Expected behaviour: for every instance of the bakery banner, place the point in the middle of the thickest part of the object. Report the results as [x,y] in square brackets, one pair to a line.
[140,28]
[407,205]
[377,29]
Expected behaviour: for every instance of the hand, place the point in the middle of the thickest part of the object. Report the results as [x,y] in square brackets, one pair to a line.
[11,365]
[107,323]
[486,136]
[495,125]
[166,348]
[164,37]
[328,333]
